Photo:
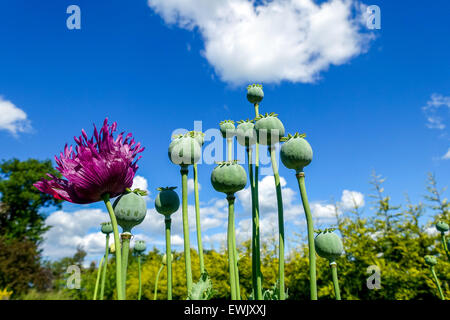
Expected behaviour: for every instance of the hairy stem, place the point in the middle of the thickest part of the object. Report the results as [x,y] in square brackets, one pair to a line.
[155,294]
[309,223]
[436,280]
[98,278]
[280,221]
[168,259]
[105,265]
[337,292]
[187,247]
[230,247]
[197,217]
[112,216]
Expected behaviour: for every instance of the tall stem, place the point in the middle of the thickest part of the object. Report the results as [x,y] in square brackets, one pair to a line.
[280,221]
[187,253]
[335,280]
[98,278]
[259,294]
[436,280]
[168,259]
[444,243]
[155,295]
[139,277]
[197,218]
[102,288]
[309,223]
[230,247]
[126,236]
[235,260]
[112,216]
[230,149]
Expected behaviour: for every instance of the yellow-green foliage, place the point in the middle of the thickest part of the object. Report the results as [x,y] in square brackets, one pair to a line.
[5,294]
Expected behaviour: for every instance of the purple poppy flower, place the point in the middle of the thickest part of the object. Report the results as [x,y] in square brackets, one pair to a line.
[95,168]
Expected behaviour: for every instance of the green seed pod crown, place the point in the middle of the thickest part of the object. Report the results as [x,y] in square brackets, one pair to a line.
[255,93]
[441,226]
[184,150]
[167,201]
[227,128]
[246,133]
[296,153]
[198,136]
[107,227]
[228,177]
[328,245]
[130,209]
[140,246]
[430,260]
[269,129]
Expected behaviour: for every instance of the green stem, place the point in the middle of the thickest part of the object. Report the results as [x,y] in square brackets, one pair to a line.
[309,223]
[139,277]
[156,282]
[102,288]
[168,259]
[230,248]
[125,251]
[235,259]
[259,293]
[112,216]
[187,253]
[444,243]
[230,149]
[335,280]
[280,221]
[436,280]
[98,278]
[197,217]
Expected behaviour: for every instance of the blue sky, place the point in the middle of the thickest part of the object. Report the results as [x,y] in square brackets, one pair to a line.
[360,104]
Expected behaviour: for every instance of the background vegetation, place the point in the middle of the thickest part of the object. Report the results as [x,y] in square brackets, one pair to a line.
[395,238]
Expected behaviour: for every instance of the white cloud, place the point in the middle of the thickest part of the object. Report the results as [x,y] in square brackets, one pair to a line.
[140,182]
[435,109]
[12,118]
[271,41]
[351,199]
[447,155]
[191,185]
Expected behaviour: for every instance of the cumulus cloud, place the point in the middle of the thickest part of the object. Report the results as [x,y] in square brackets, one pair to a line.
[12,118]
[351,199]
[271,41]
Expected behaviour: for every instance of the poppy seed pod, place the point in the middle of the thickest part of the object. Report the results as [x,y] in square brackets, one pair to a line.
[228,177]
[269,129]
[164,259]
[227,128]
[107,227]
[255,93]
[441,226]
[246,133]
[198,136]
[430,260]
[328,245]
[296,153]
[130,210]
[184,150]
[167,201]
[140,246]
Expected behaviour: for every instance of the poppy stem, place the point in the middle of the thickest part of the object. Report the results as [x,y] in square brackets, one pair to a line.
[112,216]
[230,248]
[187,248]
[436,280]
[155,295]
[444,243]
[102,288]
[335,280]
[139,276]
[169,259]
[280,221]
[98,278]
[259,295]
[197,217]
[126,236]
[309,223]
